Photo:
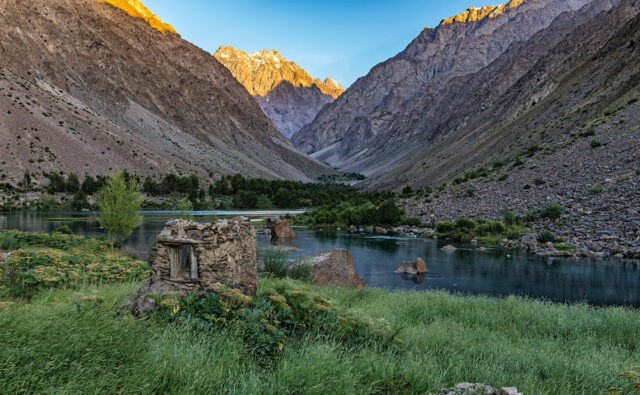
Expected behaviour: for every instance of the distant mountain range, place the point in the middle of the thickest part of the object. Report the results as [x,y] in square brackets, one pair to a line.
[93,86]
[287,94]
[479,88]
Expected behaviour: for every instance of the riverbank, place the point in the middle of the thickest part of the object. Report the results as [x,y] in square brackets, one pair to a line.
[74,341]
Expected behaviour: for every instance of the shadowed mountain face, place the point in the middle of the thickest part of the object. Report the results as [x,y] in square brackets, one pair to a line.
[539,93]
[381,112]
[88,88]
[287,94]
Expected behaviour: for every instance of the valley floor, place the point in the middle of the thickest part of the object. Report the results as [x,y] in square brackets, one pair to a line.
[62,342]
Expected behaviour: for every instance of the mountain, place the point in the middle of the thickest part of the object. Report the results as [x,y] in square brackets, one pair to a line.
[366,128]
[535,96]
[87,88]
[287,94]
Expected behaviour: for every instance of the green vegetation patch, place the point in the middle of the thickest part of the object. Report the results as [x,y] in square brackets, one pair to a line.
[72,341]
[488,232]
[41,261]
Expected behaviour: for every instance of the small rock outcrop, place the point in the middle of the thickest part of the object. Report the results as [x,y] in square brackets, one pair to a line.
[477,389]
[280,229]
[335,268]
[189,257]
[412,267]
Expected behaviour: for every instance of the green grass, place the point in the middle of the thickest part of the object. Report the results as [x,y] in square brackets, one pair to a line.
[60,343]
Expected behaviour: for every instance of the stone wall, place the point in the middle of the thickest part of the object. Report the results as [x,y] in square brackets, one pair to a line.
[197,256]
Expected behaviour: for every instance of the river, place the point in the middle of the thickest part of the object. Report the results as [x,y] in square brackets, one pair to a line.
[468,270]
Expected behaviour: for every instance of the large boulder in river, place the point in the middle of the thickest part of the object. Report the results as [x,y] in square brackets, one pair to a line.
[335,268]
[412,267]
[280,229]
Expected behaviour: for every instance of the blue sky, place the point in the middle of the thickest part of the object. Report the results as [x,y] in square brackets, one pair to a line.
[330,38]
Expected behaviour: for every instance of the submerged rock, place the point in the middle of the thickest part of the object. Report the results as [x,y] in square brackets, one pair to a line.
[335,268]
[412,267]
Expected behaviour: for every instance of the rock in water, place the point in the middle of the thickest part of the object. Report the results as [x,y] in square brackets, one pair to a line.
[189,257]
[335,268]
[414,267]
[280,229]
[448,248]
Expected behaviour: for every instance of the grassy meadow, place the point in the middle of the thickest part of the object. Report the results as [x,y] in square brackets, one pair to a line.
[74,340]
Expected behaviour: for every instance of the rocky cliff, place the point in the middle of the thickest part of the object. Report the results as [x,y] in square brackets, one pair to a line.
[288,95]
[87,88]
[354,132]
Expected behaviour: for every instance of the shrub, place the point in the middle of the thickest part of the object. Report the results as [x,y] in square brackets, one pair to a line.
[63,229]
[552,211]
[508,217]
[470,192]
[445,227]
[464,224]
[546,237]
[491,228]
[275,318]
[9,242]
[531,216]
[301,270]
[31,270]
[274,261]
[633,100]
[596,189]
[595,144]
[415,222]
[590,131]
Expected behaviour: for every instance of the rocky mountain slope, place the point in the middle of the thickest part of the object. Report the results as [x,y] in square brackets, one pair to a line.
[287,94]
[354,132]
[535,93]
[86,88]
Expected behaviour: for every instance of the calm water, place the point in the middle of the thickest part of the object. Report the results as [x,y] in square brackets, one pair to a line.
[467,270]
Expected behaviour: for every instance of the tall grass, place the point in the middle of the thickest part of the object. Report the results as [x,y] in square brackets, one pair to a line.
[66,342]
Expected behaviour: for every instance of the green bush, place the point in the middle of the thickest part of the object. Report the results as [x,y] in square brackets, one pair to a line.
[595,190]
[595,144]
[415,222]
[552,211]
[274,261]
[491,228]
[63,229]
[531,216]
[464,224]
[445,227]
[9,242]
[590,131]
[273,319]
[546,237]
[470,192]
[508,217]
[301,270]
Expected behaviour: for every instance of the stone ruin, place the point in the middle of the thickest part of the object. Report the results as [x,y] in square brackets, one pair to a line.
[189,256]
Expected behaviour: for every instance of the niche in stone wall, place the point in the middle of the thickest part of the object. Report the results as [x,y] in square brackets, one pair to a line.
[184,265]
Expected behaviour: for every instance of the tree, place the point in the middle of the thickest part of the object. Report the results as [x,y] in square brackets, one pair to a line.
[120,205]
[184,208]
[27,180]
[73,184]
[151,187]
[89,185]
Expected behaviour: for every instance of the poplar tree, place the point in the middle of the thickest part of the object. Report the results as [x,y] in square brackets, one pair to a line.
[120,203]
